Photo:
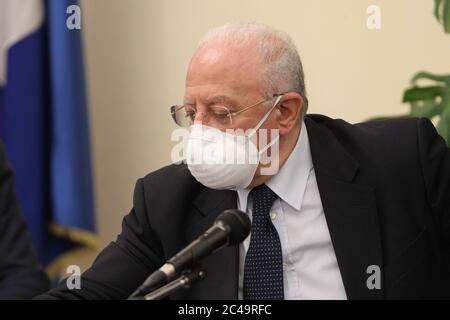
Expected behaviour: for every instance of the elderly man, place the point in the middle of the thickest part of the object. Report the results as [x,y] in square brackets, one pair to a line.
[354,211]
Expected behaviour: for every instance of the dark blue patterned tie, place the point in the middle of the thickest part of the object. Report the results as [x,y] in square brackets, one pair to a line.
[263,269]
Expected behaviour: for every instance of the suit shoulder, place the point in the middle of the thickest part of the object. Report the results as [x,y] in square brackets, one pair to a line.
[386,143]
[377,132]
[378,127]
[170,179]
[395,125]
[171,174]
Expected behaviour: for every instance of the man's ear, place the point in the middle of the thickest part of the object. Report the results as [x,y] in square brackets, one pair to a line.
[290,110]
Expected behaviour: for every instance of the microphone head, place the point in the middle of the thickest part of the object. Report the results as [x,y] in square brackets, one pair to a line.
[238,225]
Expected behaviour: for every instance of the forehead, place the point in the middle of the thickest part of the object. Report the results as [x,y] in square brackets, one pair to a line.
[225,69]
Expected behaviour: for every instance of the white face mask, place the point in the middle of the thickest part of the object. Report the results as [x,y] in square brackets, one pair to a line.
[224,161]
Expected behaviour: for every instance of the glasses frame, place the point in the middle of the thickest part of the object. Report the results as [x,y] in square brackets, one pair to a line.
[174,109]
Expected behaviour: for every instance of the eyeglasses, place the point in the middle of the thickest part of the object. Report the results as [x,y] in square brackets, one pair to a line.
[184,115]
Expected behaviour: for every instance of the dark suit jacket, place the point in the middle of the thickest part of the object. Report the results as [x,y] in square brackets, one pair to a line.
[385,190]
[20,274]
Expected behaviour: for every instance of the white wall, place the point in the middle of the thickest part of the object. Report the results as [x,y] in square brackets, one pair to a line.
[137,53]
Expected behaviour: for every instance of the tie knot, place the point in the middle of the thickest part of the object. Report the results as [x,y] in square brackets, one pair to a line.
[263,198]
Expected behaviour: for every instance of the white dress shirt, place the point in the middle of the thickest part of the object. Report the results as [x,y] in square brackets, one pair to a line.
[310,268]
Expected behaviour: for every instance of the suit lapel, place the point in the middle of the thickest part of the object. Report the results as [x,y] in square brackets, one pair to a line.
[350,211]
[222,268]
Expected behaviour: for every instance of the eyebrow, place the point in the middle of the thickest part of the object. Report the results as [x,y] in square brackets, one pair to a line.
[215,100]
[221,99]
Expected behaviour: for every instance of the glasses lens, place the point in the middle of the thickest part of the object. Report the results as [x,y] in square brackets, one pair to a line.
[217,116]
[181,117]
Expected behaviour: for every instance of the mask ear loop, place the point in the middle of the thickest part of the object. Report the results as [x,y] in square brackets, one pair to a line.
[260,152]
[269,145]
[256,128]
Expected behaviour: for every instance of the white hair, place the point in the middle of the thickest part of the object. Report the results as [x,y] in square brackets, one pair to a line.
[282,67]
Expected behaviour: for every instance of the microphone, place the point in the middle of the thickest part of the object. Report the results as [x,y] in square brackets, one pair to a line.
[230,228]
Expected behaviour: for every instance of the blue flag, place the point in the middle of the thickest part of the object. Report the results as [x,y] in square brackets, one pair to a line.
[44,123]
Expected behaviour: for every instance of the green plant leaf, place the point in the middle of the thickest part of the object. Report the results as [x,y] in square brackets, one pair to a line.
[430,76]
[442,13]
[429,109]
[432,101]
[423,93]
[437,7]
[443,127]
[446,16]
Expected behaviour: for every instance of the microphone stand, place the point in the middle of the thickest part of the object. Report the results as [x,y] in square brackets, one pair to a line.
[183,282]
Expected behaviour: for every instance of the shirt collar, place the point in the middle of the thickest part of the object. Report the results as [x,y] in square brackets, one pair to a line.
[290,182]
